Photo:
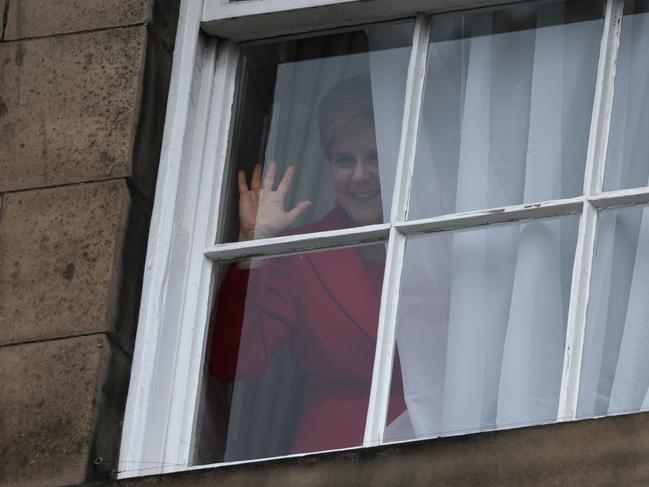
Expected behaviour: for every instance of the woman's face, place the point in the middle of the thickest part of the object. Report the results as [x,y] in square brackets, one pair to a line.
[355,170]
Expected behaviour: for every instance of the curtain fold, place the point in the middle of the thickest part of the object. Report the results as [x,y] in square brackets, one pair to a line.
[387,69]
[615,368]
[293,135]
[535,338]
[630,385]
[511,127]
[631,382]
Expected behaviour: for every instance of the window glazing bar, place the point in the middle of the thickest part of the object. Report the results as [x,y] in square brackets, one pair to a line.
[298,243]
[582,271]
[385,341]
[471,219]
[455,221]
[624,197]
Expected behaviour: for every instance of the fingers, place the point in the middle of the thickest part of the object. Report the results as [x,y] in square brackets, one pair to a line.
[287,180]
[255,183]
[269,177]
[241,179]
[297,212]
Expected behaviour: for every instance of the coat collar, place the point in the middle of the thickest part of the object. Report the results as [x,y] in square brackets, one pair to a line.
[345,277]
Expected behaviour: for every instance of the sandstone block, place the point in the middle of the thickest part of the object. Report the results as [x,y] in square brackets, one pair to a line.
[48,399]
[69,107]
[35,18]
[61,259]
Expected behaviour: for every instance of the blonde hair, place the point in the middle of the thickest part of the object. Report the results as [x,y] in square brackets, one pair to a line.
[348,104]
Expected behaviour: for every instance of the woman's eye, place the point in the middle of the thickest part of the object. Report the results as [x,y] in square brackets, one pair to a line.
[343,161]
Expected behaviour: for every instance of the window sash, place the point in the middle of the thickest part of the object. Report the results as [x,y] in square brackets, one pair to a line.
[201,140]
[594,177]
[195,308]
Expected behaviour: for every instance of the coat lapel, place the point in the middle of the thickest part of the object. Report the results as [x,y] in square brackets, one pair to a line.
[345,278]
[343,275]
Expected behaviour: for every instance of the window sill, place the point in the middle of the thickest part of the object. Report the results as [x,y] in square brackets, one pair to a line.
[605,451]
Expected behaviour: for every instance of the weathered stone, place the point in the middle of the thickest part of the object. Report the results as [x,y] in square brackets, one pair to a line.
[607,451]
[3,6]
[69,107]
[148,140]
[165,21]
[61,260]
[48,400]
[34,18]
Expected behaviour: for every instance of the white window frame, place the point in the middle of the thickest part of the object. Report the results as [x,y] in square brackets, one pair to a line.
[172,331]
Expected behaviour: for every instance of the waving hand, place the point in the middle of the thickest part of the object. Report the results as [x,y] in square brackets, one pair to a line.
[262,212]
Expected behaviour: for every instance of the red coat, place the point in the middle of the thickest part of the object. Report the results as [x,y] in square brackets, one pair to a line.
[326,304]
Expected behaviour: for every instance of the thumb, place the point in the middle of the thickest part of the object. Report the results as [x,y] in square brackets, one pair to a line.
[297,212]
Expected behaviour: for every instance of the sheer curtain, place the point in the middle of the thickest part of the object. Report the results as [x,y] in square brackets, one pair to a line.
[388,69]
[630,388]
[615,371]
[482,317]
[294,138]
[615,368]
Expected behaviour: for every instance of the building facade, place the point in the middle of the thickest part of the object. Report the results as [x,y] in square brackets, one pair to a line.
[83,92]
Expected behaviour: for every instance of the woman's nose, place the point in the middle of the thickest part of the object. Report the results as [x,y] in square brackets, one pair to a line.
[360,170]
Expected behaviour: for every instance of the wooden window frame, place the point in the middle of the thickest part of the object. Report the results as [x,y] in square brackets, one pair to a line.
[172,332]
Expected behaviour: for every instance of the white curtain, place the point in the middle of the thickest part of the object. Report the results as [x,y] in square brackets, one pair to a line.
[388,69]
[294,138]
[615,370]
[482,317]
[630,389]
[627,161]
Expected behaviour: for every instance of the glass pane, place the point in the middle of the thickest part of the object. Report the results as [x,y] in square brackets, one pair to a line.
[627,159]
[507,107]
[481,328]
[291,355]
[322,117]
[615,365]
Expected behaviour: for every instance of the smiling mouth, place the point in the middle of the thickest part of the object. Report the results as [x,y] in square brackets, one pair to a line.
[365,196]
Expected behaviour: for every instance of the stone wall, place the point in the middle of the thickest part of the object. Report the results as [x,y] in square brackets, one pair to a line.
[83,88]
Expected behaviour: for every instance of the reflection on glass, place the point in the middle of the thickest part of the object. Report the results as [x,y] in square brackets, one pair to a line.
[481,328]
[627,158]
[314,119]
[507,107]
[615,366]
[291,355]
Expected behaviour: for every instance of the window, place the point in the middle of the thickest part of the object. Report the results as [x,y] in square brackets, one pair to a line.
[490,268]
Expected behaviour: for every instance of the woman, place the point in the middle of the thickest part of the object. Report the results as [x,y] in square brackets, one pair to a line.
[324,304]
